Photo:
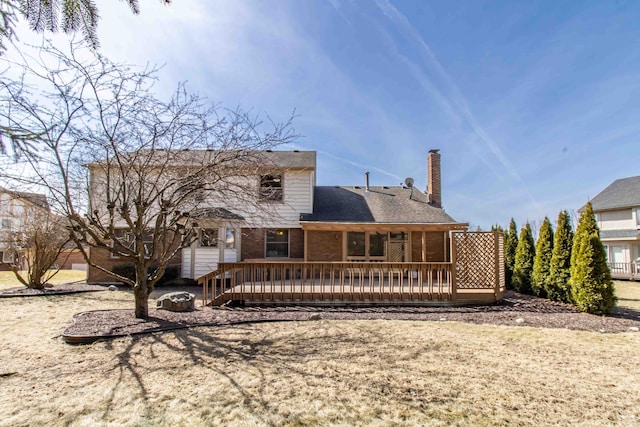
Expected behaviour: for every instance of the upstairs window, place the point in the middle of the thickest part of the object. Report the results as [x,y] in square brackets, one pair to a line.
[638,217]
[271,187]
[5,224]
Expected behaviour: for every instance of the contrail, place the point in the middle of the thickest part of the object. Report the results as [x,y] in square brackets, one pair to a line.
[454,98]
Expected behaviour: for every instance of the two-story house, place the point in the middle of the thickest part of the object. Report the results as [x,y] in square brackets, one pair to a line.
[295,241]
[15,208]
[293,219]
[617,210]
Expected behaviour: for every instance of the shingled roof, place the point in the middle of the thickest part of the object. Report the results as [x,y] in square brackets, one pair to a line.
[388,205]
[622,193]
[36,199]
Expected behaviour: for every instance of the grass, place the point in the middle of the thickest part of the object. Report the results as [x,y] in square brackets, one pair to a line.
[628,294]
[311,373]
[8,279]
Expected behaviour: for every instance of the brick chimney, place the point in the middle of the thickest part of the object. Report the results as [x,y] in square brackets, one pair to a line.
[433,178]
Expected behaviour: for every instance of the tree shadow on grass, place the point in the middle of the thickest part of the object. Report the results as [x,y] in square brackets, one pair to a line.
[229,359]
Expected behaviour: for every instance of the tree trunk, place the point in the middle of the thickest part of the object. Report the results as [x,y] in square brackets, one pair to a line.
[141,292]
[142,303]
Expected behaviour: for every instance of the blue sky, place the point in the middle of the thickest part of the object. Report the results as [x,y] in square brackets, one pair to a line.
[534,105]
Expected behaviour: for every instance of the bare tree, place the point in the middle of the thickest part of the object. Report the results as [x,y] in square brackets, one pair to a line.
[36,246]
[132,174]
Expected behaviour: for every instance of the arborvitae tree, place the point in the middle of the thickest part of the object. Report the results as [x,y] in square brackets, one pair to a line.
[586,226]
[557,283]
[542,260]
[510,245]
[591,286]
[523,266]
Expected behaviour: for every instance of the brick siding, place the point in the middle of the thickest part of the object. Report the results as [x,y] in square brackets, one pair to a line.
[324,246]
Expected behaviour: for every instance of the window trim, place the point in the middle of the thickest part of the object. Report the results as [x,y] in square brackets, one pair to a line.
[266,242]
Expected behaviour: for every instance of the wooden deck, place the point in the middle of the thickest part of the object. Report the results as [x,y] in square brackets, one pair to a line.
[475,276]
[341,284]
[624,270]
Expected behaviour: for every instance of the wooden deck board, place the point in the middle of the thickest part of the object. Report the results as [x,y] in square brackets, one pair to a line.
[295,291]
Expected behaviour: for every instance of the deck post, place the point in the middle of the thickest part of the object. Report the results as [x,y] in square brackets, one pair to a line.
[496,264]
[454,263]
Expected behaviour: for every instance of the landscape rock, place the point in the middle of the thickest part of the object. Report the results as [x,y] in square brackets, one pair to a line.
[315,316]
[177,301]
[519,320]
[113,288]
[634,329]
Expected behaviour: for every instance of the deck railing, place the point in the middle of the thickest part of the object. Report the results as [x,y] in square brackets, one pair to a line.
[624,270]
[328,281]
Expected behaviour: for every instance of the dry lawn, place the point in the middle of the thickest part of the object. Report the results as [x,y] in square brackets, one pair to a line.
[8,279]
[628,294]
[310,373]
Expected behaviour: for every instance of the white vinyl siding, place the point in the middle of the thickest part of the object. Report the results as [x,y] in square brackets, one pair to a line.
[299,191]
[616,220]
[205,258]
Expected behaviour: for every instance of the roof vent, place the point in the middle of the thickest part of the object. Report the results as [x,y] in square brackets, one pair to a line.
[296,151]
[386,187]
[268,151]
[358,187]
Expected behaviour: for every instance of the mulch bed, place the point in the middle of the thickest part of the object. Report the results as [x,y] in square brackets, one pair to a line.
[514,310]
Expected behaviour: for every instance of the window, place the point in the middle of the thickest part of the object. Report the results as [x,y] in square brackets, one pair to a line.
[638,217]
[355,243]
[357,246]
[123,240]
[271,187]
[5,224]
[126,240]
[376,244]
[6,256]
[209,237]
[230,238]
[277,243]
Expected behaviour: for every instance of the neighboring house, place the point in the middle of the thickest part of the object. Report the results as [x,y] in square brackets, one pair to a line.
[15,208]
[617,210]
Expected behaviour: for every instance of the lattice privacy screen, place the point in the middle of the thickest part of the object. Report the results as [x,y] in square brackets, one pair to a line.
[479,260]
